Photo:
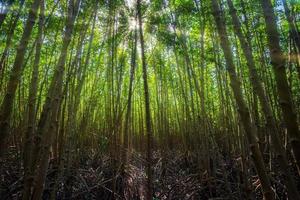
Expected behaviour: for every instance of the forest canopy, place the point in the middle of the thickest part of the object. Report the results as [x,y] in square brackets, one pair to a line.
[150,99]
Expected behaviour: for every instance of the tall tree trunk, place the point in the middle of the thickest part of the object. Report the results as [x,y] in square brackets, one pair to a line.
[243,111]
[147,104]
[55,82]
[128,111]
[31,119]
[60,148]
[266,107]
[283,89]
[52,104]
[16,73]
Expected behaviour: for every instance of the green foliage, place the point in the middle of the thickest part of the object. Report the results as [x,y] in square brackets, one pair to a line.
[175,59]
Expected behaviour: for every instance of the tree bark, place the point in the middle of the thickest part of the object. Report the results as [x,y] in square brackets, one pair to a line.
[147,104]
[266,107]
[129,99]
[31,118]
[249,128]
[16,73]
[283,89]
[52,104]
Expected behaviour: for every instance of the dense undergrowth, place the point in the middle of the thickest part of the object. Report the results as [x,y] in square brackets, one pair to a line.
[177,175]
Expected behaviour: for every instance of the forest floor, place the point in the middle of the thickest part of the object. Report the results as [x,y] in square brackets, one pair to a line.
[176,176]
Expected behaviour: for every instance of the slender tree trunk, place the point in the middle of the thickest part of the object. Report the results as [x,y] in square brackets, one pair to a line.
[60,149]
[54,86]
[77,71]
[266,107]
[129,101]
[249,128]
[16,73]
[52,104]
[41,172]
[147,104]
[32,107]
[283,89]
